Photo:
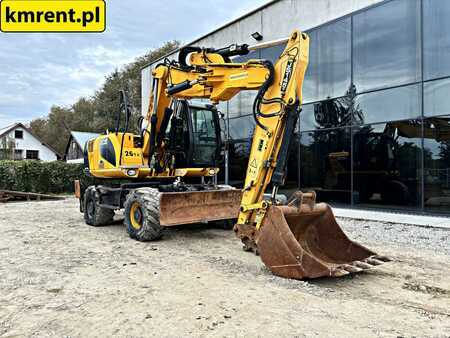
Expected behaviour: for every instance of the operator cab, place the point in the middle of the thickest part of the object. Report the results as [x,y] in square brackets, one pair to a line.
[194,135]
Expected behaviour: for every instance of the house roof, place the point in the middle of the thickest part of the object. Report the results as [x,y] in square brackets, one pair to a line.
[82,137]
[7,129]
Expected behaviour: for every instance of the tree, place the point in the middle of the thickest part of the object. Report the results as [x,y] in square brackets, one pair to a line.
[98,113]
[7,148]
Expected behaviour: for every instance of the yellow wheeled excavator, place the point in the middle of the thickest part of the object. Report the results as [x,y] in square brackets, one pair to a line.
[172,163]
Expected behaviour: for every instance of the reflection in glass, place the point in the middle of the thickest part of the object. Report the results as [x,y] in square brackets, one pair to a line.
[326,114]
[272,53]
[387,45]
[387,105]
[331,113]
[238,155]
[436,44]
[240,152]
[325,164]
[386,164]
[436,100]
[328,72]
[241,127]
[291,182]
[204,135]
[253,54]
[437,164]
[242,104]
[307,120]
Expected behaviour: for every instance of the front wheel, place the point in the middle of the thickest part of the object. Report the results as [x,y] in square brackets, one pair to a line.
[142,214]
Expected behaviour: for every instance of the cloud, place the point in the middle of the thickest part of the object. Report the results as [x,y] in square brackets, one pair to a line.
[41,70]
[102,56]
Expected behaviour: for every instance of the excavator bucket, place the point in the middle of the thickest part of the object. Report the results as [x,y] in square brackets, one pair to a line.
[303,240]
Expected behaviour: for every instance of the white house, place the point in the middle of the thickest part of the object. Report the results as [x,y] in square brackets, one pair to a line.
[19,139]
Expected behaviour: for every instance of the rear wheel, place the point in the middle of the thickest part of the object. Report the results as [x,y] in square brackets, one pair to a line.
[142,214]
[94,214]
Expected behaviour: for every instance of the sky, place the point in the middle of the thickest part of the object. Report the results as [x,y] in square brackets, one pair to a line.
[38,70]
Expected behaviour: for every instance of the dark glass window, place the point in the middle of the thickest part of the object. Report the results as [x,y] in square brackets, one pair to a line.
[241,127]
[436,99]
[307,120]
[325,164]
[233,106]
[328,72]
[107,151]
[204,136]
[386,164]
[253,54]
[242,104]
[436,43]
[238,161]
[437,164]
[239,153]
[32,154]
[387,45]
[292,171]
[18,134]
[387,105]
[272,53]
[326,114]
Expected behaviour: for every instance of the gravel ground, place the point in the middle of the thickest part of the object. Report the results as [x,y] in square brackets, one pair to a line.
[399,235]
[62,278]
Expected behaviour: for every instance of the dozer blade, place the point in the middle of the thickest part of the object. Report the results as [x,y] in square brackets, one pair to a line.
[305,241]
[199,206]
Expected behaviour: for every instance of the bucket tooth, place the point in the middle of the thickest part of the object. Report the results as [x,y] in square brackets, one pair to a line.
[373,261]
[362,265]
[382,258]
[351,268]
[339,273]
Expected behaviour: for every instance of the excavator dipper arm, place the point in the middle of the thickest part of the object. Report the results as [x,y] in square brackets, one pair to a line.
[299,240]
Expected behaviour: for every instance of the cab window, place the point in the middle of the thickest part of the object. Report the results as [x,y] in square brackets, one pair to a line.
[107,151]
[204,135]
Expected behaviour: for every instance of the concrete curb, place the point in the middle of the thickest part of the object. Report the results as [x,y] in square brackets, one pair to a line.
[382,216]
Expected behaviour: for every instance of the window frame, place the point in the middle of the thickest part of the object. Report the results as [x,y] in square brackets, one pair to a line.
[28,155]
[20,131]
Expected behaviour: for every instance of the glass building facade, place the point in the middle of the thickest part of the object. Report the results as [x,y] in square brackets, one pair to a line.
[375,125]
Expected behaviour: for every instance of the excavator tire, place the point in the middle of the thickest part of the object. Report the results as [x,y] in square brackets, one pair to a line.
[142,214]
[94,214]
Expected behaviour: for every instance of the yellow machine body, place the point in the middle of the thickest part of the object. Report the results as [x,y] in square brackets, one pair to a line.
[298,240]
[104,152]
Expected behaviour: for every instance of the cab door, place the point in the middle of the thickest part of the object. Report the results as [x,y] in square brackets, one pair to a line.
[205,136]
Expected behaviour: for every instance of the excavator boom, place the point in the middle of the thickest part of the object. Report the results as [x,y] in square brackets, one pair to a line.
[299,240]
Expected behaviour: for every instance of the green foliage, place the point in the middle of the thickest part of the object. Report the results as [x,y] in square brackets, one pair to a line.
[7,146]
[97,113]
[41,177]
